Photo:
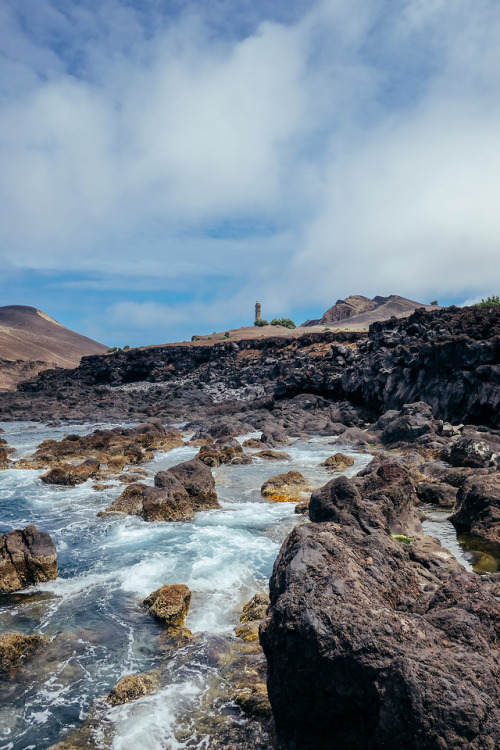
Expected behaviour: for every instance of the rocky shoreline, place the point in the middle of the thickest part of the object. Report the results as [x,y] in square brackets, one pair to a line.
[375,635]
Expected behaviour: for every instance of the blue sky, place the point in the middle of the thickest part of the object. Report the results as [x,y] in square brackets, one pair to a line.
[164,164]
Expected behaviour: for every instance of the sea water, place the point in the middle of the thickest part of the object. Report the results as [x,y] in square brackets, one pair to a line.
[92,612]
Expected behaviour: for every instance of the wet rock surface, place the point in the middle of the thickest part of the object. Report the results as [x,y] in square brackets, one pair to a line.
[397,644]
[338,462]
[285,488]
[478,507]
[177,494]
[131,687]
[169,605]
[15,649]
[27,557]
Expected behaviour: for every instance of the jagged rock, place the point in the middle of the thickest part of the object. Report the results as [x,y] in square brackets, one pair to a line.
[440,493]
[286,488]
[16,648]
[275,437]
[170,605]
[271,455]
[381,496]
[338,462]
[197,480]
[478,507]
[476,450]
[131,687]
[4,454]
[256,608]
[223,451]
[67,474]
[375,644]
[177,494]
[413,421]
[27,557]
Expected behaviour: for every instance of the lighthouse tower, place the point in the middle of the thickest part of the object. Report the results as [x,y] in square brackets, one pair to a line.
[257,311]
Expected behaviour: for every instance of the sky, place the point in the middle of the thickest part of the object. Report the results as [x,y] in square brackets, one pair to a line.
[165,163]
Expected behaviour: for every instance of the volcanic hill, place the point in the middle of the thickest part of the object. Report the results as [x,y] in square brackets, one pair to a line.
[32,341]
[361,311]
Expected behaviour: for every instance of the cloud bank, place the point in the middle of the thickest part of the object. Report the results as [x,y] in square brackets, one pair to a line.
[222,151]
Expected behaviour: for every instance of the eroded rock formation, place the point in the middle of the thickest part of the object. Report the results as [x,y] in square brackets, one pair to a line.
[27,557]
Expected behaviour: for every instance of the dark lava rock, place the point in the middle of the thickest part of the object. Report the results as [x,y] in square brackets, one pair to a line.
[476,450]
[478,507]
[27,557]
[375,644]
[383,495]
[440,493]
[67,474]
[413,421]
[176,495]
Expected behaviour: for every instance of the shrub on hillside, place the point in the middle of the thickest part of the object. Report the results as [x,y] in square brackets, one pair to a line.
[493,301]
[261,322]
[283,322]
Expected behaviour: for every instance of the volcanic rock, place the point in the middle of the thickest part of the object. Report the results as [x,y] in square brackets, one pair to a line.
[438,493]
[27,557]
[170,605]
[16,648]
[176,495]
[131,687]
[271,455]
[478,507]
[338,462]
[396,643]
[381,496]
[71,475]
[285,488]
[476,450]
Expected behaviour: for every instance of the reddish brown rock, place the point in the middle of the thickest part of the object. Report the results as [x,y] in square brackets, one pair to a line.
[131,687]
[170,605]
[66,474]
[286,488]
[27,557]
[338,462]
[16,648]
[478,507]
[178,493]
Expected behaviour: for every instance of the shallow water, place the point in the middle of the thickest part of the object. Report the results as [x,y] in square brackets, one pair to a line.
[93,612]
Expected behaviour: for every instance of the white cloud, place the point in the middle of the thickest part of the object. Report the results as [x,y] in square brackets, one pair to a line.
[365,135]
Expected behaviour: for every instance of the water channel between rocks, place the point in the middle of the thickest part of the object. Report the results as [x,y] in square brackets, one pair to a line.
[93,613]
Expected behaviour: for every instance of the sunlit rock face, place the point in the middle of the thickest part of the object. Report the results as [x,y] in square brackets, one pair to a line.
[27,557]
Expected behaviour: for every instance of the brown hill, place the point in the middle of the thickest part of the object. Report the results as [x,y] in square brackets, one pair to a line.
[31,341]
[361,311]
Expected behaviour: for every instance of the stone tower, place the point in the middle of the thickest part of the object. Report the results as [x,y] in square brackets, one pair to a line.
[257,310]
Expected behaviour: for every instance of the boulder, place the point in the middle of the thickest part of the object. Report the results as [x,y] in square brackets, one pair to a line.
[338,462]
[27,557]
[66,474]
[256,608]
[286,488]
[197,480]
[131,687]
[476,450]
[438,493]
[170,605]
[375,644]
[413,421]
[478,507]
[381,496]
[271,455]
[16,648]
[177,494]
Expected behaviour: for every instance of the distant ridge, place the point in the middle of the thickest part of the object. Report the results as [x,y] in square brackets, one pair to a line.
[31,341]
[364,311]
